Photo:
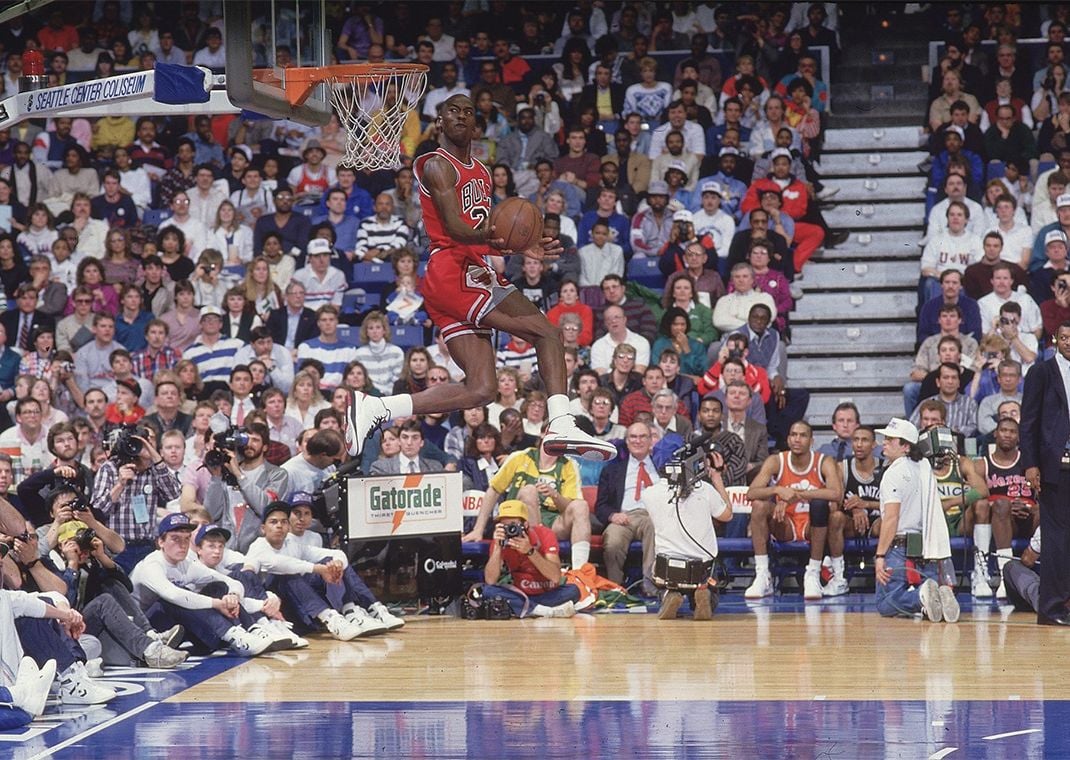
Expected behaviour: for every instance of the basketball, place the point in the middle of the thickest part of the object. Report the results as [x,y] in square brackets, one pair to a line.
[518,222]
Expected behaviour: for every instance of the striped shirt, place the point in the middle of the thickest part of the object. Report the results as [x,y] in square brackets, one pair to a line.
[334,357]
[154,486]
[319,292]
[214,362]
[383,363]
[388,235]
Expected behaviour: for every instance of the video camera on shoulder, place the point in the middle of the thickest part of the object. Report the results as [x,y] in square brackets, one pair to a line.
[123,445]
[940,445]
[689,464]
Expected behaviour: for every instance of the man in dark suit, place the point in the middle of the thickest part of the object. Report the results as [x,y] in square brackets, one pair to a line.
[23,320]
[411,437]
[754,434]
[620,506]
[1045,438]
[603,84]
[292,324]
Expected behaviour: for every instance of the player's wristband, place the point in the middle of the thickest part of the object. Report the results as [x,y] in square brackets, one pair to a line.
[879,556]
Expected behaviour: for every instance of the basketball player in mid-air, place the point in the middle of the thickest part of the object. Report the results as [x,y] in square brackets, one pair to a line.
[467,299]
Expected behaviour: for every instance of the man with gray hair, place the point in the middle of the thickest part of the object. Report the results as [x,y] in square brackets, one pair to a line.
[666,417]
[732,311]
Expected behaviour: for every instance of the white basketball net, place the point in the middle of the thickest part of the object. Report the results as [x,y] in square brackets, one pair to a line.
[372,107]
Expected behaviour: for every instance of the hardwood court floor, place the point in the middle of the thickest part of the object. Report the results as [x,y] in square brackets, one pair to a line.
[823,653]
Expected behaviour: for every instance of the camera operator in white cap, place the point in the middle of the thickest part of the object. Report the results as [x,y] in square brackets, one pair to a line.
[912,529]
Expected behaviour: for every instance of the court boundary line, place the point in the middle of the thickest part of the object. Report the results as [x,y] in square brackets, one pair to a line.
[95,729]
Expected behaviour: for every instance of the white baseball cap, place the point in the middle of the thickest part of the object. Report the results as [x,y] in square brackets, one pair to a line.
[1055,236]
[957,130]
[900,428]
[318,246]
[683,215]
[711,187]
[780,153]
[1062,200]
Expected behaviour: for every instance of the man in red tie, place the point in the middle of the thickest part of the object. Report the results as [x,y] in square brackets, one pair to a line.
[620,506]
[241,385]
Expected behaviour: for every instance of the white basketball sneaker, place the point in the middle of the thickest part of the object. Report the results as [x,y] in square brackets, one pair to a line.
[762,586]
[564,437]
[812,585]
[363,415]
[931,605]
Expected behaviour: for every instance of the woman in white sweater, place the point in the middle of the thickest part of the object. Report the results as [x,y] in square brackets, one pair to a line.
[381,359]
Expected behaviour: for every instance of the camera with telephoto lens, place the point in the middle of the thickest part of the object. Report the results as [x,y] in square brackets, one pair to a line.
[688,465]
[123,445]
[231,439]
[512,530]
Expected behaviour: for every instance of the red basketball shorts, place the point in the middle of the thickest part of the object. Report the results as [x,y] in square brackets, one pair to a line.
[459,291]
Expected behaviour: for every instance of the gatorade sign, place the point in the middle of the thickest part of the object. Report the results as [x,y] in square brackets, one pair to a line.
[405,505]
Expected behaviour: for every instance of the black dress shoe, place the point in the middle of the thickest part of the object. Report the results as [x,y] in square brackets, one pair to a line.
[1062,620]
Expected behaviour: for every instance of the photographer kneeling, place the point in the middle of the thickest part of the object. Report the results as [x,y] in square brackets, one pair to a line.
[683,506]
[913,530]
[530,554]
[243,485]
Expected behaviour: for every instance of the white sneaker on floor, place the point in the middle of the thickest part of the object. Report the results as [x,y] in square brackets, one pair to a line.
[363,415]
[95,667]
[835,587]
[77,688]
[159,655]
[1001,592]
[979,587]
[369,625]
[761,587]
[31,687]
[277,640]
[246,643]
[949,604]
[172,637]
[380,612]
[931,606]
[285,628]
[812,585]
[563,436]
[566,610]
[342,628]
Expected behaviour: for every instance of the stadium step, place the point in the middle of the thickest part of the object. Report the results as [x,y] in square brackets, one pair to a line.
[875,215]
[820,275]
[866,140]
[878,189]
[879,244]
[817,339]
[850,372]
[855,305]
[872,163]
[876,408]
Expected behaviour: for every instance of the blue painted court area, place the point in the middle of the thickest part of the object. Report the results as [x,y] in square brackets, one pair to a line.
[588,729]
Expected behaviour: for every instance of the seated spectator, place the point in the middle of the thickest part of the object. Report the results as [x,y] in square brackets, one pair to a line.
[633,166]
[622,378]
[1024,346]
[950,353]
[1050,186]
[617,333]
[955,190]
[930,355]
[113,205]
[961,410]
[1002,215]
[1040,280]
[1008,139]
[382,359]
[1003,292]
[605,211]
[993,350]
[568,303]
[779,488]
[952,92]
[951,295]
[952,154]
[731,311]
[808,234]
[955,248]
[709,219]
[641,400]
[1056,309]
[132,320]
[549,487]
[680,293]
[770,281]
[380,236]
[978,276]
[649,98]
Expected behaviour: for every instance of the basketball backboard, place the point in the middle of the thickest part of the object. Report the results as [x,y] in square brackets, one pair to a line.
[263,40]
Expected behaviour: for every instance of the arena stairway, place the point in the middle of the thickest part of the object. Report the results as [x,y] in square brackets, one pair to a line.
[853,331]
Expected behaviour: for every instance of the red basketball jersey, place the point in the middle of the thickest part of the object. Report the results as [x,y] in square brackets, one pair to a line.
[473,198]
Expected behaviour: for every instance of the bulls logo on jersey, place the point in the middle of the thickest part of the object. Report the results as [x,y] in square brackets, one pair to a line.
[475,200]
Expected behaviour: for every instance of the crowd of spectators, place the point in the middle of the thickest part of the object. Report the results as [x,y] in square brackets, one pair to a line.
[162,270]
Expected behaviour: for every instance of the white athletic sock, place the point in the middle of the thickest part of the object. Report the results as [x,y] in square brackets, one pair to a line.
[761,563]
[982,539]
[557,405]
[1003,556]
[813,566]
[837,566]
[399,405]
[581,552]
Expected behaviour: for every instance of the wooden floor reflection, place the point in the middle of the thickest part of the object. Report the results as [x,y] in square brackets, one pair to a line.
[820,653]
